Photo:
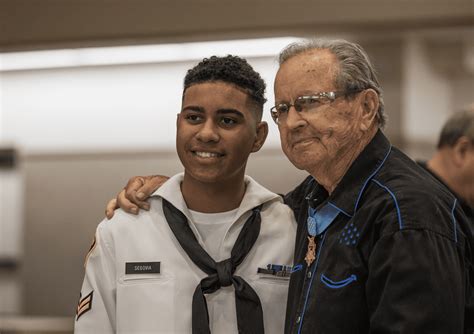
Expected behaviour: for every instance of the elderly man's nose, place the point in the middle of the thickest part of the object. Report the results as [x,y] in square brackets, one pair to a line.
[294,118]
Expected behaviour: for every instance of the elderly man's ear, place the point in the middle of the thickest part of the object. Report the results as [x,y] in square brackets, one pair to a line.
[369,103]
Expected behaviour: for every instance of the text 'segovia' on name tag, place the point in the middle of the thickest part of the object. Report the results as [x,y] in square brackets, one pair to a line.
[142,267]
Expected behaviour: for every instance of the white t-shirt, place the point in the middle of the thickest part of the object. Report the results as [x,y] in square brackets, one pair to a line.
[213,227]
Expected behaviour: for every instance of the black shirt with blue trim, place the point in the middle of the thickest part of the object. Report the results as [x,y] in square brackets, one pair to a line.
[395,259]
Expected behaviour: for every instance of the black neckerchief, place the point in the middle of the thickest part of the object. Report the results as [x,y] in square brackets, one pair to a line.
[248,306]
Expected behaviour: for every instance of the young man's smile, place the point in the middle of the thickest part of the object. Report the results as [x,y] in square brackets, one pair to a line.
[207,155]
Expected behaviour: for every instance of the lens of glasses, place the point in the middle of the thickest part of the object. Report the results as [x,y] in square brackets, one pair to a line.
[278,110]
[282,108]
[308,102]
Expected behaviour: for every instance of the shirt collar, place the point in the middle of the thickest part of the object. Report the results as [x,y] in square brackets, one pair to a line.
[255,194]
[348,192]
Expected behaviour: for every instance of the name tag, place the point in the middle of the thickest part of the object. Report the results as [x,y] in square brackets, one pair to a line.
[142,267]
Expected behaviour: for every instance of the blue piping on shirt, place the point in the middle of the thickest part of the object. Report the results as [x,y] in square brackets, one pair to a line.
[311,283]
[370,177]
[400,224]
[339,284]
[454,220]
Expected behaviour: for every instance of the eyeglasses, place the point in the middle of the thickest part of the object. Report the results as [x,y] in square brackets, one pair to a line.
[307,103]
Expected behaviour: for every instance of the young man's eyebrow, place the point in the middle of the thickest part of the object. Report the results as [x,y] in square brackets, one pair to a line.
[224,111]
[230,111]
[193,108]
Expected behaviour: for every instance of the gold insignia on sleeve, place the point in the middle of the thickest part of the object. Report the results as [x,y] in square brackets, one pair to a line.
[84,304]
[92,247]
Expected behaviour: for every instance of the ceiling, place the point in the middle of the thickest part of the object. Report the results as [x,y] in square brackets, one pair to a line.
[51,24]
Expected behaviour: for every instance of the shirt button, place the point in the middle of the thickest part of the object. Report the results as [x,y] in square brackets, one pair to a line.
[309,274]
[298,320]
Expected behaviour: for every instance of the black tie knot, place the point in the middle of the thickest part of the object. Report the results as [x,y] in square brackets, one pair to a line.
[224,272]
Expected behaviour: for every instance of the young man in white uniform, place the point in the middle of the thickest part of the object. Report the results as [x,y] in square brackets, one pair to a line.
[213,253]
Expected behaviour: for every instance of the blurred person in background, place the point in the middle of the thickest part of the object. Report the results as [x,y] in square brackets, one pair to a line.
[381,246]
[453,162]
[214,251]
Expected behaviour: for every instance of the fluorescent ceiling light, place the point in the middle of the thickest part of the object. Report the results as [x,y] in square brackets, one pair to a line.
[141,54]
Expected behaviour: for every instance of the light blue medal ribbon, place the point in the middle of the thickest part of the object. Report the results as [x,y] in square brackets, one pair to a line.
[319,220]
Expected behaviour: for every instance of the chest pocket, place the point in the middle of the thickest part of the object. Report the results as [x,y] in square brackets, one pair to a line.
[273,293]
[146,303]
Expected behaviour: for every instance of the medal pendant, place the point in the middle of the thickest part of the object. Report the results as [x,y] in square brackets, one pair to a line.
[311,252]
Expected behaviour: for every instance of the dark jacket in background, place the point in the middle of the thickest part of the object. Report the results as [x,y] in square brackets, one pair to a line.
[469,211]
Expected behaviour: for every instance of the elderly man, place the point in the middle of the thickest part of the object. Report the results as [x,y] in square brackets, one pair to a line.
[381,246]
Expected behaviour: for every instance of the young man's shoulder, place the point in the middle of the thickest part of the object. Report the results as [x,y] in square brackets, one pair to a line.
[277,208]
[122,222]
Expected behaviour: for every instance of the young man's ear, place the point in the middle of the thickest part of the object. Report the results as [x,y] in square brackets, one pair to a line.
[461,150]
[370,106]
[261,135]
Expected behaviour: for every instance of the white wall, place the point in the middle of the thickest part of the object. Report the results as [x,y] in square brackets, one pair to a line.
[99,108]
[106,107]
[426,94]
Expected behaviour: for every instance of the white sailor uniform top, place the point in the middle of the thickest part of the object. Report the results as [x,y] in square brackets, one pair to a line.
[139,280]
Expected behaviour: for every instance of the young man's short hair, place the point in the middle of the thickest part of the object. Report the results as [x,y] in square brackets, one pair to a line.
[233,70]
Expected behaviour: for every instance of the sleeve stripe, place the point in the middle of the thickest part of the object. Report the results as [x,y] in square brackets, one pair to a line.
[399,215]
